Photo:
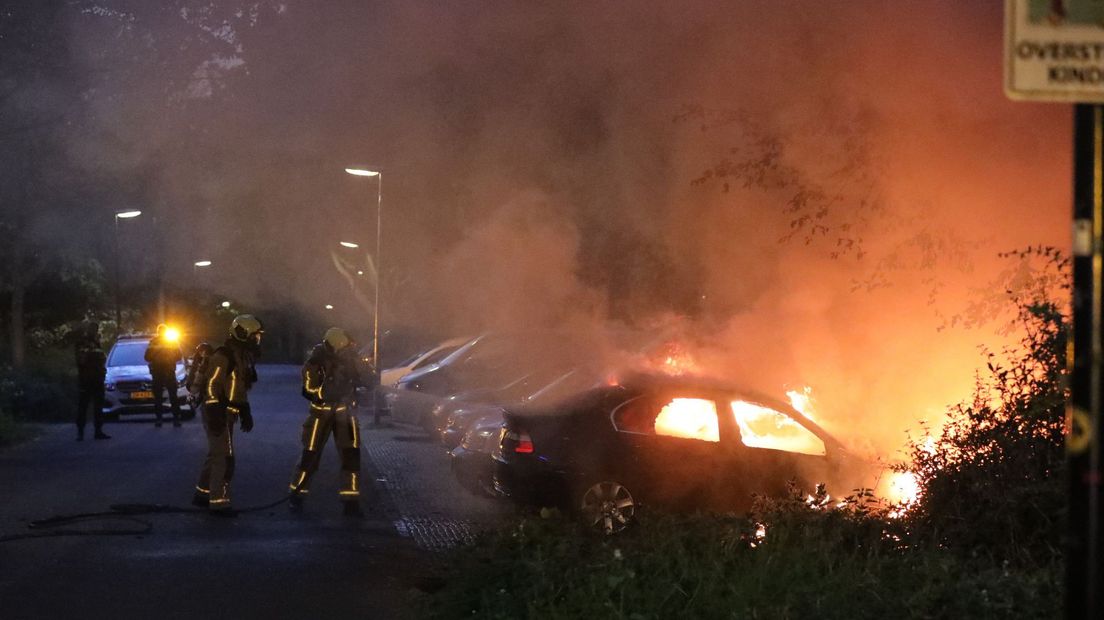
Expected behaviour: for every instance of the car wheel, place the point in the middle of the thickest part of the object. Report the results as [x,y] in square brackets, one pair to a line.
[607,506]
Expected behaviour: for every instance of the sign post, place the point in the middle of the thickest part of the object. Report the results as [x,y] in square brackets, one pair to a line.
[1054,51]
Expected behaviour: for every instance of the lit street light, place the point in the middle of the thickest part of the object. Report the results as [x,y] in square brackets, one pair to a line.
[349,244]
[203,263]
[366,172]
[125,214]
[329,307]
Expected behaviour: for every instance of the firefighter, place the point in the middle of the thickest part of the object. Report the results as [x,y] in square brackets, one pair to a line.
[229,374]
[197,366]
[91,370]
[162,354]
[331,377]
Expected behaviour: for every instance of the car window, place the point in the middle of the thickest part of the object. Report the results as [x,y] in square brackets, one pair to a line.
[687,418]
[435,357]
[128,354]
[762,427]
[410,360]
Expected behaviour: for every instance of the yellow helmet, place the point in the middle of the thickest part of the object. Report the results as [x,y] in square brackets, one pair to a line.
[245,327]
[336,338]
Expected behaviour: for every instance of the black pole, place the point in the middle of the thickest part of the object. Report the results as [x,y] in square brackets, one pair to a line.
[118,276]
[1084,577]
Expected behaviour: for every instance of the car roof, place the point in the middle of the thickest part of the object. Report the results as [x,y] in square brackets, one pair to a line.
[642,383]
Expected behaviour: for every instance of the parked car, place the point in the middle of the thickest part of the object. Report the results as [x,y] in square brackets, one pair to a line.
[472,461]
[453,415]
[128,385]
[473,430]
[391,376]
[489,362]
[668,441]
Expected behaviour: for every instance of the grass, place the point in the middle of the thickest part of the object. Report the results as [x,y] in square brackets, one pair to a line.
[702,566]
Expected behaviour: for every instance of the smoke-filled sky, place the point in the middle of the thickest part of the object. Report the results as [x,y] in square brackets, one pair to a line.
[642,163]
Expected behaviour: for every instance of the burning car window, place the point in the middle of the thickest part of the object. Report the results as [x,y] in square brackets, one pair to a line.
[761,427]
[690,418]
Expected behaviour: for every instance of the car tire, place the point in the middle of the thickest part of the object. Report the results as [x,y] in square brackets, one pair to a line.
[605,505]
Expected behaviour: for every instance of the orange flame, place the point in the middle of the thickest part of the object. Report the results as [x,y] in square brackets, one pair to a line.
[762,427]
[690,418]
[802,400]
[673,359]
[901,488]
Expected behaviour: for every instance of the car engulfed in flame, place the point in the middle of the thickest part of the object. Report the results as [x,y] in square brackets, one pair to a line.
[672,441]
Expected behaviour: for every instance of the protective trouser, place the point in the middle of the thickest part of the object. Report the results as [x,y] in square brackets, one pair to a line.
[165,382]
[90,395]
[218,467]
[323,420]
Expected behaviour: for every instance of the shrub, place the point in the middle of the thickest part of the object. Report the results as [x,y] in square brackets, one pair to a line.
[992,479]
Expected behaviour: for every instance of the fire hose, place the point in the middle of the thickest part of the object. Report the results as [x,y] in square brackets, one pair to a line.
[53,527]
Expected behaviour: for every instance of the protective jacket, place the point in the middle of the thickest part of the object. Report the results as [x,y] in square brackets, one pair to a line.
[230,372]
[330,379]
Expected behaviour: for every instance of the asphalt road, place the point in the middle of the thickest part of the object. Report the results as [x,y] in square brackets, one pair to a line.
[270,563]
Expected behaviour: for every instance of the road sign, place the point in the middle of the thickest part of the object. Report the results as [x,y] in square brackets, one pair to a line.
[1054,50]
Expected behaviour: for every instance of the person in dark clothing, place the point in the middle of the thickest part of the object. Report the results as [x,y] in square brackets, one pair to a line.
[91,369]
[227,377]
[331,377]
[163,354]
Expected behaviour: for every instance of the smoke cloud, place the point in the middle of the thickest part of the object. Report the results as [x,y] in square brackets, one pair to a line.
[806,195]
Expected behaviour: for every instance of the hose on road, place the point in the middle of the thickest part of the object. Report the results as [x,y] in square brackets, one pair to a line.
[45,528]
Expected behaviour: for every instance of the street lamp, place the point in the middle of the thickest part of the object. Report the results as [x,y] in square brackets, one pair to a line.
[349,244]
[125,214]
[368,172]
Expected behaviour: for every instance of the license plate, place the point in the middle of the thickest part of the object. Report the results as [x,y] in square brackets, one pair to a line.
[141,395]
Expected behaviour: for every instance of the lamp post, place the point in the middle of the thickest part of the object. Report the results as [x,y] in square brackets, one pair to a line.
[200,263]
[125,214]
[367,172]
[359,171]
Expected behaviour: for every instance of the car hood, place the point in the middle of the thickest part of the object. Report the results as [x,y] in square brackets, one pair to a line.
[116,374]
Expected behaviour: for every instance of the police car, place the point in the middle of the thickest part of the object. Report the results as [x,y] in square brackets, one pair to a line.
[128,385]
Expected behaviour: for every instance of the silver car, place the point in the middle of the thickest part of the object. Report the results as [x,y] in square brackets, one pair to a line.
[128,385]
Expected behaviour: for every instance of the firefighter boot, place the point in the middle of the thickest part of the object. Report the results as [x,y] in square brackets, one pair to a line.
[295,502]
[352,508]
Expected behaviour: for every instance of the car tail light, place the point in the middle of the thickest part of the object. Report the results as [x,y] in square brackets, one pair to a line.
[525,444]
[520,443]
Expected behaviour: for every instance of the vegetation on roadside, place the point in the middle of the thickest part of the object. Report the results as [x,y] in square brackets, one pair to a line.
[983,542]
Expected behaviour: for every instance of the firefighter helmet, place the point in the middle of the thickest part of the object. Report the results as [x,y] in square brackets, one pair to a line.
[336,339]
[246,327]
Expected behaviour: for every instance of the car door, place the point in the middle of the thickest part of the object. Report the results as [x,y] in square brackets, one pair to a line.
[672,446]
[766,449]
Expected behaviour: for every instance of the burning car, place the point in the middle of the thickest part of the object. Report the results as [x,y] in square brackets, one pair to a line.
[473,430]
[676,442]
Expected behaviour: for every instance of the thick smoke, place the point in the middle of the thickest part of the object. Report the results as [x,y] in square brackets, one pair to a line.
[540,163]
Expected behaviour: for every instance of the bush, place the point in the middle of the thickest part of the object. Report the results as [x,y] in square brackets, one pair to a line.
[992,480]
[811,564]
[45,391]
